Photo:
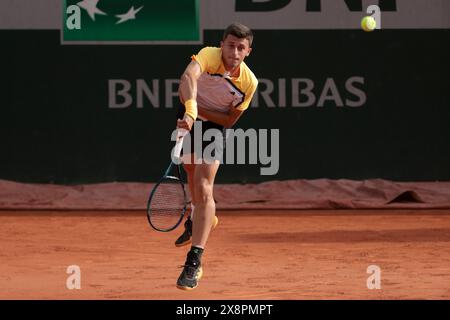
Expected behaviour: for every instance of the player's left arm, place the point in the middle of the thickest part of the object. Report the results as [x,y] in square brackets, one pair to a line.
[224,119]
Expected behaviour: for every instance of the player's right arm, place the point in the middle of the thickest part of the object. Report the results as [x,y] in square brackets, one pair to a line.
[188,94]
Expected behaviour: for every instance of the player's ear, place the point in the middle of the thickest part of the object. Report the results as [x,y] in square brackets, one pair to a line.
[221,44]
[249,51]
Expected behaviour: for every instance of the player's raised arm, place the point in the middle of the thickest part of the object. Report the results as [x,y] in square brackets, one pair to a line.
[188,94]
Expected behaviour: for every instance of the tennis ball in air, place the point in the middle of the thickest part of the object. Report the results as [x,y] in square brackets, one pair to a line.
[368,24]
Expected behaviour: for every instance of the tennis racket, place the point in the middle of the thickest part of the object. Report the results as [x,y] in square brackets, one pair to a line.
[167,203]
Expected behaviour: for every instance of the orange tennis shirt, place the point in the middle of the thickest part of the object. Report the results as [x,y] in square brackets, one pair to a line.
[216,90]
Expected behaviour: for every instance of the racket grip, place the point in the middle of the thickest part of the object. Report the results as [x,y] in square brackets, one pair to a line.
[178,146]
[179,143]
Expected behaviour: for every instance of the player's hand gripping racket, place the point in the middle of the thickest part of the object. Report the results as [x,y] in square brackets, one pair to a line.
[167,203]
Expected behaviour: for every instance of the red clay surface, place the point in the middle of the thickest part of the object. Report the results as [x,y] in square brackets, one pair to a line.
[250,255]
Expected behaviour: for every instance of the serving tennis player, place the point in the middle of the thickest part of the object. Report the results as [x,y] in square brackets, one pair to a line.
[215,89]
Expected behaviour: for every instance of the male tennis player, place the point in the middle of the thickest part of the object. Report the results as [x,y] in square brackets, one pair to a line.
[215,89]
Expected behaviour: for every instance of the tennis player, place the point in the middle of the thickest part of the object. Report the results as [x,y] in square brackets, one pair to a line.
[215,89]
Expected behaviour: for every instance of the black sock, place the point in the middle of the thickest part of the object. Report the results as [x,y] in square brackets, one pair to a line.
[196,252]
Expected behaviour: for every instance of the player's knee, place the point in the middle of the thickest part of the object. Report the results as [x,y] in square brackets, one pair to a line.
[204,192]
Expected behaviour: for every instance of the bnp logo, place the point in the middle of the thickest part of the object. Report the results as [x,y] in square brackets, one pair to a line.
[130,22]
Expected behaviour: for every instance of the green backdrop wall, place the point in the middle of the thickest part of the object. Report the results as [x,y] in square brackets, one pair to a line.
[379,106]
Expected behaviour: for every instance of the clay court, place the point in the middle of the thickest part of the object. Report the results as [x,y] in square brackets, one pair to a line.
[303,254]
[335,181]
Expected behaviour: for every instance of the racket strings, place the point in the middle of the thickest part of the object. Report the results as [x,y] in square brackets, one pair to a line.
[167,204]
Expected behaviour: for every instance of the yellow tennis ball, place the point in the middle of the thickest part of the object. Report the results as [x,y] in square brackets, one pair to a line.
[368,24]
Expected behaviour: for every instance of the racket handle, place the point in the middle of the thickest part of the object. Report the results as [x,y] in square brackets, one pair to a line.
[179,143]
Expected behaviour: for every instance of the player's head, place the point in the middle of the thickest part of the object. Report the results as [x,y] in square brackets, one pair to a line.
[236,44]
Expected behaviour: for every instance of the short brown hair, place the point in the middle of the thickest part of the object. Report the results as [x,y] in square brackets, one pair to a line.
[240,31]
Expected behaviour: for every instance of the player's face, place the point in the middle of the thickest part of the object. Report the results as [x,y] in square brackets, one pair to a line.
[234,50]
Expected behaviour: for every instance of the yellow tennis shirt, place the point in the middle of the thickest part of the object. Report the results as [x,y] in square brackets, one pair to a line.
[216,90]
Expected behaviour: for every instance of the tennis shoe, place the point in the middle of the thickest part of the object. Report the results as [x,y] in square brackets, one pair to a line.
[191,274]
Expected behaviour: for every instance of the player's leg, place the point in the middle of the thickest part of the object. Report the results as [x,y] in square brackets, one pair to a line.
[190,167]
[185,238]
[204,177]
[205,209]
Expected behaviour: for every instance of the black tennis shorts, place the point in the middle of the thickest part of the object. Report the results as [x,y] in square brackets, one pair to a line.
[216,145]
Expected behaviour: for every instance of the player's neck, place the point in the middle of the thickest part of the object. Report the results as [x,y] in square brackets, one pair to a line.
[233,72]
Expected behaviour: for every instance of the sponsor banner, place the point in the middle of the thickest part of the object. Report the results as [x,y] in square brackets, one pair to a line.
[348,92]
[216,14]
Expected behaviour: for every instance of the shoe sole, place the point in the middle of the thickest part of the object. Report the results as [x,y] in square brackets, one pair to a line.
[183,243]
[200,274]
[216,222]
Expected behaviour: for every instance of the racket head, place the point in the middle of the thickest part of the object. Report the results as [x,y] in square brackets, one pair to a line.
[167,204]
